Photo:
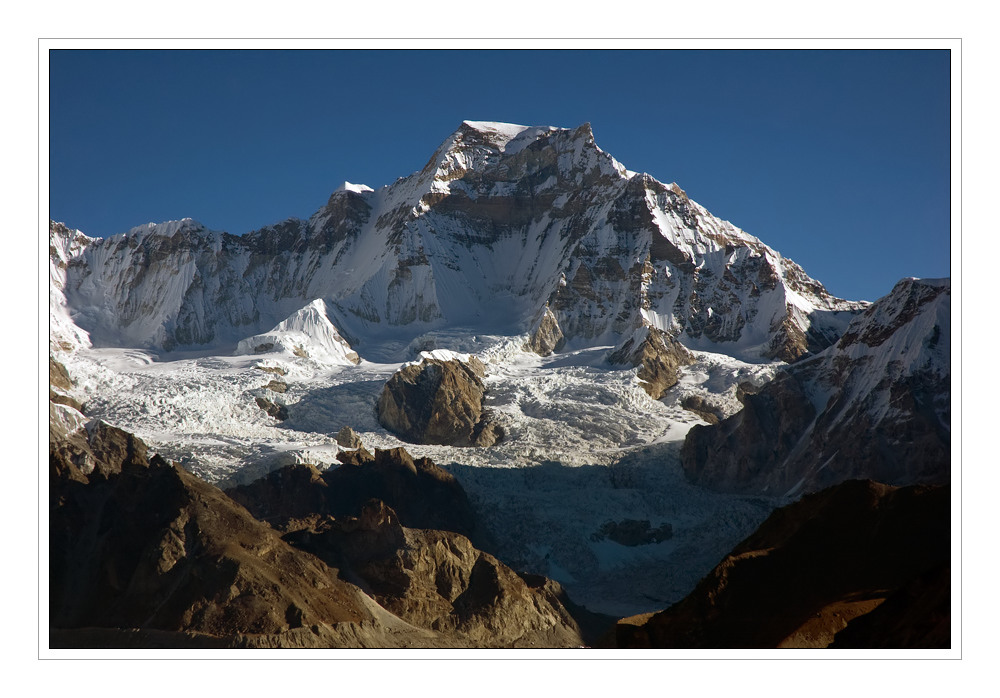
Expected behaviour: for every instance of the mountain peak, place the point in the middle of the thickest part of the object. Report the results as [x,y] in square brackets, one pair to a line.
[498,135]
[510,138]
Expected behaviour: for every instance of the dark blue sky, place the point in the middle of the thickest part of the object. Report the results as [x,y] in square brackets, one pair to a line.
[838,159]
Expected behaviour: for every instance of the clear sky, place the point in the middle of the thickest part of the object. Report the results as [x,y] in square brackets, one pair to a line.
[838,159]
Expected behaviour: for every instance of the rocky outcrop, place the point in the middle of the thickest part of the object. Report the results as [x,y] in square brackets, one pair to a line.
[277,370]
[705,409]
[348,438]
[82,451]
[836,564]
[59,376]
[143,553]
[273,409]
[439,402]
[420,563]
[547,337]
[877,405]
[61,386]
[917,616]
[658,356]
[739,453]
[437,580]
[424,494]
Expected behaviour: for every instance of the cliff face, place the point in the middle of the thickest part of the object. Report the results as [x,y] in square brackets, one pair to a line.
[141,544]
[503,222]
[422,494]
[875,405]
[830,568]
[438,580]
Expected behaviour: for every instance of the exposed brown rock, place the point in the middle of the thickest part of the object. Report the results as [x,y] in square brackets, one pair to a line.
[547,337]
[60,384]
[272,369]
[433,579]
[658,356]
[438,580]
[149,555]
[61,399]
[279,412]
[439,402]
[348,438]
[423,494]
[276,386]
[703,408]
[93,453]
[788,342]
[917,616]
[813,567]
[58,375]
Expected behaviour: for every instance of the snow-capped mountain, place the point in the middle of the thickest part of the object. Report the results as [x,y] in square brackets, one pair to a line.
[613,317]
[503,224]
[877,404]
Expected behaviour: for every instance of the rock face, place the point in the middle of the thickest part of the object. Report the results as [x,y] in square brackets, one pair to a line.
[705,409]
[875,405]
[917,616]
[836,564]
[608,248]
[418,564]
[658,357]
[60,386]
[424,494]
[144,554]
[58,375]
[547,337]
[348,438]
[140,546]
[278,411]
[437,580]
[439,402]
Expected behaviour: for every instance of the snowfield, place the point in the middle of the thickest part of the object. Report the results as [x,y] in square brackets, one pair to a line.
[585,445]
